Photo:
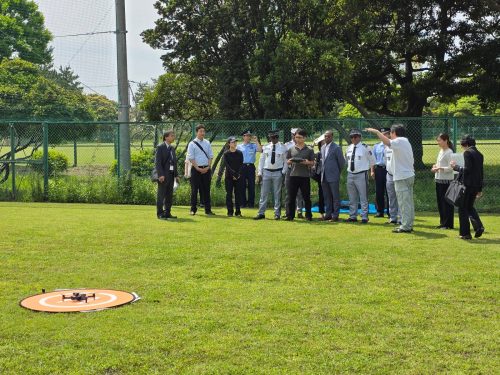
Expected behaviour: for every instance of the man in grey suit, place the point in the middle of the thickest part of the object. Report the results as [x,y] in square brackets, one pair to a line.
[332,163]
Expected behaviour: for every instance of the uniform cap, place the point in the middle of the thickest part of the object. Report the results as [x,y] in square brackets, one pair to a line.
[246,132]
[354,132]
[294,130]
[321,138]
[385,130]
[231,139]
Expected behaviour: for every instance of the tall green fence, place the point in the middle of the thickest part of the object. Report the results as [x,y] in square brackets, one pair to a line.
[77,162]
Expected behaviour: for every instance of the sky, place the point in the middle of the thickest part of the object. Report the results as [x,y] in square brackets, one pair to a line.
[93,57]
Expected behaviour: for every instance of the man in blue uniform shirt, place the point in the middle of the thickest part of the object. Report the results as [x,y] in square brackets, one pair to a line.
[249,150]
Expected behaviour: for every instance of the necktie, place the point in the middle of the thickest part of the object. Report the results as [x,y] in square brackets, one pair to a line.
[352,158]
[273,155]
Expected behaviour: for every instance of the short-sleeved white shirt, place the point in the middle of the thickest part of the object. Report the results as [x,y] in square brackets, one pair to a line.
[401,166]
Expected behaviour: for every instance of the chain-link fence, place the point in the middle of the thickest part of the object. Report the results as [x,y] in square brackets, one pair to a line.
[78,162]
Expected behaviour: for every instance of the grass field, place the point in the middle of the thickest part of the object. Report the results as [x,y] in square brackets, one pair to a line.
[235,296]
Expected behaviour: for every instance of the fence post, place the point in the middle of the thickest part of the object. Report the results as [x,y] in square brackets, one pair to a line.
[75,154]
[455,131]
[13,159]
[45,161]
[118,166]
[273,125]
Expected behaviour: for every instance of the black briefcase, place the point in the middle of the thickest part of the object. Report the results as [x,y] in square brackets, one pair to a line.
[455,193]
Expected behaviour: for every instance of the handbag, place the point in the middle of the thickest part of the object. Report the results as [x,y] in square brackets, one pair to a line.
[154,175]
[455,193]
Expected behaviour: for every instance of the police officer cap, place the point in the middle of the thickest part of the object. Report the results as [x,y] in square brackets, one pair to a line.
[294,130]
[246,132]
[385,130]
[354,132]
[273,133]
[231,139]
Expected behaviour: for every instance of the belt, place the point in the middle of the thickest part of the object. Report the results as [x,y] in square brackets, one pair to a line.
[202,166]
[358,172]
[247,164]
[273,170]
[380,166]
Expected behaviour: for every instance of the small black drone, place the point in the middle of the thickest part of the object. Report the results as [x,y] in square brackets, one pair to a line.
[76,296]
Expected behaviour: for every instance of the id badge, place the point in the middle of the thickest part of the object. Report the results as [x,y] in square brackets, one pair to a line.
[171,167]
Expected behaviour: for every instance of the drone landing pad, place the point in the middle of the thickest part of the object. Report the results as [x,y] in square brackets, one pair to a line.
[55,303]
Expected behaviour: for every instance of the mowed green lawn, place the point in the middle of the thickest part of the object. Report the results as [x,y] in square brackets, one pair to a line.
[235,296]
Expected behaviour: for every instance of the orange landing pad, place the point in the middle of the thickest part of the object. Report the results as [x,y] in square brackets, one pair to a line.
[55,303]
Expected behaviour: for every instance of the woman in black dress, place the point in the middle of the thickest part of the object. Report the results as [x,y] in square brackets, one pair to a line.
[472,176]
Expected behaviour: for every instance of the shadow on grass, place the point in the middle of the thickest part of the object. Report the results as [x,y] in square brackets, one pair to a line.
[427,235]
[486,241]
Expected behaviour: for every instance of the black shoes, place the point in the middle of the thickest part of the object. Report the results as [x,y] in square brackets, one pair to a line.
[210,213]
[230,214]
[259,217]
[276,217]
[192,213]
[364,221]
[166,217]
[469,237]
[350,220]
[379,215]
[394,222]
[479,232]
[238,214]
[399,230]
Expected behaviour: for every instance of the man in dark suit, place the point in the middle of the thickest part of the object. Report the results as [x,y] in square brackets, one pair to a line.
[166,166]
[332,164]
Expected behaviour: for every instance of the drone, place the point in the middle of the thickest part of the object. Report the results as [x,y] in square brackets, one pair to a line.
[76,296]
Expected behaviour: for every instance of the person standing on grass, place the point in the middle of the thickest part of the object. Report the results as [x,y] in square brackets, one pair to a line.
[233,159]
[394,214]
[403,173]
[443,175]
[200,155]
[300,160]
[300,201]
[359,160]
[272,168]
[249,150]
[380,175]
[166,167]
[332,163]
[472,177]
[316,175]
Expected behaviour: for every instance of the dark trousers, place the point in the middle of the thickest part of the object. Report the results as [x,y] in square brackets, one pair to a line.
[446,210]
[233,187]
[467,211]
[294,185]
[321,197]
[164,195]
[248,185]
[200,182]
[380,190]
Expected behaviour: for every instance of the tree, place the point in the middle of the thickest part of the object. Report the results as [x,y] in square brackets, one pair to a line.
[103,108]
[179,97]
[296,58]
[23,32]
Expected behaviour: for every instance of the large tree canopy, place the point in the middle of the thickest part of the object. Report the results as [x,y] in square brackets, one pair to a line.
[296,58]
[23,33]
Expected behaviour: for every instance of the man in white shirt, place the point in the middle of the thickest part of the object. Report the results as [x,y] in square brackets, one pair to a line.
[403,173]
[200,155]
[272,168]
[359,160]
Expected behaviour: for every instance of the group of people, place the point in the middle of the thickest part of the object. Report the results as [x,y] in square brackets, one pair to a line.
[293,164]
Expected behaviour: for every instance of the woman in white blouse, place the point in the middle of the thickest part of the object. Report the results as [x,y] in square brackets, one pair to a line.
[443,176]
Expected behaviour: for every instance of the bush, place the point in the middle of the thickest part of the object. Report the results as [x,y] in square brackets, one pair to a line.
[58,162]
[141,163]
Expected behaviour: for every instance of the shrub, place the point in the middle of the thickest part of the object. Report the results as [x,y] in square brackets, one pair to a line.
[58,162]
[141,163]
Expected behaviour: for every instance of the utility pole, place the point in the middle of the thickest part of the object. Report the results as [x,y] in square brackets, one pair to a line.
[123,96]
